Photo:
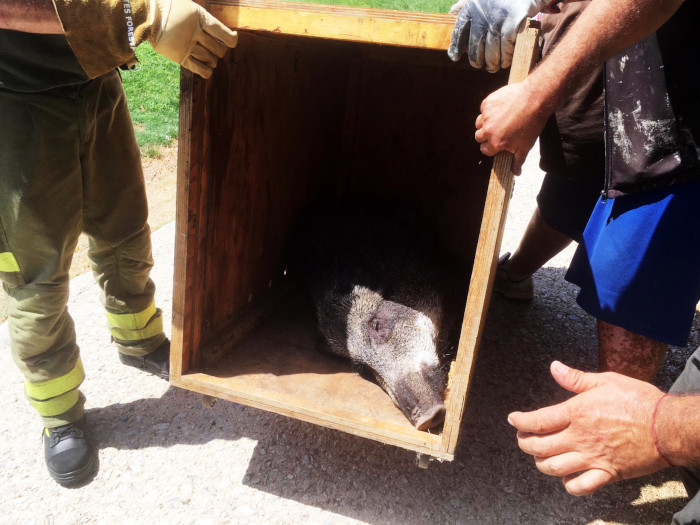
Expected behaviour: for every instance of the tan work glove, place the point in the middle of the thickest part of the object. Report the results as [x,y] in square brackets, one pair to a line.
[180,30]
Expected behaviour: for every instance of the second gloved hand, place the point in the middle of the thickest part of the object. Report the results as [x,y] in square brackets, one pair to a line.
[180,30]
[189,35]
[486,30]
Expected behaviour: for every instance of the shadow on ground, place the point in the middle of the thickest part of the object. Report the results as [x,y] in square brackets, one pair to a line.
[490,481]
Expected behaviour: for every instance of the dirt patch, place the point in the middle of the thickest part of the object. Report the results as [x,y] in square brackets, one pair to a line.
[160,175]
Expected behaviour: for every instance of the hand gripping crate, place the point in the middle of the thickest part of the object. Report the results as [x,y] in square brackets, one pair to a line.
[319,102]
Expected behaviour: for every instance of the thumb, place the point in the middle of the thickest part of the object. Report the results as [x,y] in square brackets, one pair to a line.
[518,161]
[574,380]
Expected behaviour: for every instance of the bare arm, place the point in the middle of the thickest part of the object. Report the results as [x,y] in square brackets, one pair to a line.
[678,429]
[603,29]
[512,118]
[30,16]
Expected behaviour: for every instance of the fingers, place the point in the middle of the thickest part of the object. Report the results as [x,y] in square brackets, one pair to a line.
[477,43]
[543,421]
[587,482]
[518,161]
[544,445]
[197,67]
[492,52]
[575,380]
[460,37]
[219,31]
[561,465]
[203,55]
[507,50]
[213,45]
[209,47]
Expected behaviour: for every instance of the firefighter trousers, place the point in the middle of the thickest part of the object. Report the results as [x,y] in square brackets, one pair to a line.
[69,164]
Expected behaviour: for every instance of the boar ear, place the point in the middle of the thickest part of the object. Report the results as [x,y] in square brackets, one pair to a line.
[380,329]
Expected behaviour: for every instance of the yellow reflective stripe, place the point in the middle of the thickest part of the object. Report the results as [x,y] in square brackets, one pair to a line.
[8,263]
[56,405]
[152,329]
[54,387]
[132,321]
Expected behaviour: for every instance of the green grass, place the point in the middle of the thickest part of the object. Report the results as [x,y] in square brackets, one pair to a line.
[152,91]
[426,6]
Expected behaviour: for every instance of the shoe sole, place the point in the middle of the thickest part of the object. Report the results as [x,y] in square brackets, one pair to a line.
[138,362]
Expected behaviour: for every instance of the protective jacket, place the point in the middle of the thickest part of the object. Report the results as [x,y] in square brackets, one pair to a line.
[653,109]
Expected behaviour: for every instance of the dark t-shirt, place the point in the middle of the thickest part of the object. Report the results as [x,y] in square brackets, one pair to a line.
[653,108]
[31,62]
[572,143]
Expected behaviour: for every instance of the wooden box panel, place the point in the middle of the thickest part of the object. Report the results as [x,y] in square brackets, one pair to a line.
[286,121]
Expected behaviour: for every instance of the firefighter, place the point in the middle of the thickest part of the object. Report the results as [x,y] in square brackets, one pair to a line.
[69,163]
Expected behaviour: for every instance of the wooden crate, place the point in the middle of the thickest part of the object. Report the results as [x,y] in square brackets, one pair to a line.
[318,102]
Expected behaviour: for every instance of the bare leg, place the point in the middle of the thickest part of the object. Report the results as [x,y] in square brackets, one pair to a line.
[627,353]
[539,244]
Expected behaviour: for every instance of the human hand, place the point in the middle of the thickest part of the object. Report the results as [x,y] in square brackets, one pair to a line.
[510,120]
[486,29]
[190,36]
[601,435]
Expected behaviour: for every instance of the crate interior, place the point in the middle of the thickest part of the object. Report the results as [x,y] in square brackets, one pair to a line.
[287,122]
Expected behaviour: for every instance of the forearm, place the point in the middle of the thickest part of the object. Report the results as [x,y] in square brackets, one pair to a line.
[30,16]
[678,429]
[601,31]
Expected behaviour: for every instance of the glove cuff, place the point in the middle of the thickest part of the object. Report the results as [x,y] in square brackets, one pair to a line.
[104,33]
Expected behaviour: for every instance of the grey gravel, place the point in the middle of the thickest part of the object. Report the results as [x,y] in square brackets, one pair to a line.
[163,458]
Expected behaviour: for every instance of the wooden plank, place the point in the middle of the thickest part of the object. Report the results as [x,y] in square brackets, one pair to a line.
[181,313]
[376,26]
[485,262]
[204,385]
[277,368]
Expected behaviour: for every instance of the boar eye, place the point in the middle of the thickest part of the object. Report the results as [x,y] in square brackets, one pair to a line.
[380,329]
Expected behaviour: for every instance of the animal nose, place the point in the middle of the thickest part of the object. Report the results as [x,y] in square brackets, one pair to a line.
[432,418]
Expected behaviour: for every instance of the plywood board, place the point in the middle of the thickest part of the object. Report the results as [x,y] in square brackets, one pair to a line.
[485,262]
[264,136]
[277,367]
[376,26]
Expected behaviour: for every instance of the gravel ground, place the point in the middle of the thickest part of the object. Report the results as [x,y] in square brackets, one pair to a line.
[165,459]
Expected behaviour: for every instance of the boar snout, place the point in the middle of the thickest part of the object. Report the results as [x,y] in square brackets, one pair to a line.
[432,418]
[420,397]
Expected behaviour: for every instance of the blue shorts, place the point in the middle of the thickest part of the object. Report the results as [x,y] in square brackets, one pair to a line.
[638,265]
[566,204]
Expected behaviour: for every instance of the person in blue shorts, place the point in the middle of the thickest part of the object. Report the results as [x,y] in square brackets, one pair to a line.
[639,262]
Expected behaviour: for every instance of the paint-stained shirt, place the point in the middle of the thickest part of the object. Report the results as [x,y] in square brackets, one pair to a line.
[653,109]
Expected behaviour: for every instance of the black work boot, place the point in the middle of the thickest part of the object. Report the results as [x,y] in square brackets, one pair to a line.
[69,457]
[156,363]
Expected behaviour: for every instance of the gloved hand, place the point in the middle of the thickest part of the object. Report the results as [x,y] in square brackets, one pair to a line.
[486,29]
[189,35]
[180,30]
